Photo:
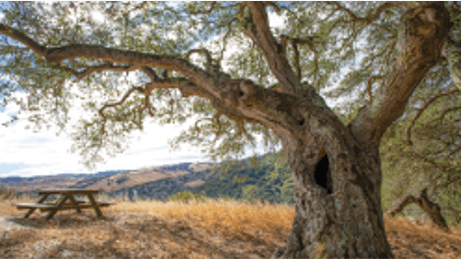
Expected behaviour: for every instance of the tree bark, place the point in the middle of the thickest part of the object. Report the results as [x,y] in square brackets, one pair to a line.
[429,207]
[337,194]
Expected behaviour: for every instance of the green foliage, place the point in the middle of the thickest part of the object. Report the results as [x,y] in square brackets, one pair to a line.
[272,181]
[226,198]
[251,192]
[173,29]
[186,197]
[433,160]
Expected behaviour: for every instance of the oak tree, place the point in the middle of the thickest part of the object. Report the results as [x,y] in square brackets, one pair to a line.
[270,85]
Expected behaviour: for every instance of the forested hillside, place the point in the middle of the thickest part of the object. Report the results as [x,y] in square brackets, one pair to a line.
[266,178]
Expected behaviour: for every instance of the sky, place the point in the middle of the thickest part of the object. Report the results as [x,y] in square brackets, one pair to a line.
[26,153]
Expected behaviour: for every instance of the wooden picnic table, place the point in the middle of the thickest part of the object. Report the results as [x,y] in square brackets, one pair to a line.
[66,201]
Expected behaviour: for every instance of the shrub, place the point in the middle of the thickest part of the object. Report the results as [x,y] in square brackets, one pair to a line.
[186,196]
[226,198]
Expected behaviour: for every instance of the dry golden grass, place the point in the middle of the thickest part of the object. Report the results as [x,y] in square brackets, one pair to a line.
[214,229]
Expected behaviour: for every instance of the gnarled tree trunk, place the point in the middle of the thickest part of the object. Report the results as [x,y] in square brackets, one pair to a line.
[337,194]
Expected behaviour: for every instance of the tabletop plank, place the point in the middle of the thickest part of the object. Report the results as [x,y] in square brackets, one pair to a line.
[33,205]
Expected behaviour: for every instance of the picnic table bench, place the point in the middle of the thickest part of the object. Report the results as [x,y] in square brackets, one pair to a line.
[66,201]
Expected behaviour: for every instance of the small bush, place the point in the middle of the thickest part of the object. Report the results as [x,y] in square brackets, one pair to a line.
[186,197]
[226,198]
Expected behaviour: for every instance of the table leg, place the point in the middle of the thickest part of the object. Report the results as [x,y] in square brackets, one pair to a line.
[74,202]
[59,205]
[95,205]
[45,196]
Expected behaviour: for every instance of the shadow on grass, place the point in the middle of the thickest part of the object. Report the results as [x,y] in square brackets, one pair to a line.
[14,240]
[39,221]
[137,235]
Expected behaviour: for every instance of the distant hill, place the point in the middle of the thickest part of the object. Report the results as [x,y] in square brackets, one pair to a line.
[266,182]
[264,178]
[107,181]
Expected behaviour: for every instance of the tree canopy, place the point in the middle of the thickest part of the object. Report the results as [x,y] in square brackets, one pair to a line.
[59,53]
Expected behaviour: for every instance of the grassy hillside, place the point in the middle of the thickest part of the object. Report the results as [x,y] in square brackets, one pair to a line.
[107,181]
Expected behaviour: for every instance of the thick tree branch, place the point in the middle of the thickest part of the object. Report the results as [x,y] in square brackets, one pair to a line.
[128,57]
[186,87]
[90,70]
[259,30]
[418,50]
[134,59]
[24,39]
[422,109]
[236,98]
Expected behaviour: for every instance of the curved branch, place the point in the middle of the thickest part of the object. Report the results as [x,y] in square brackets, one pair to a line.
[127,57]
[199,120]
[229,26]
[449,110]
[431,209]
[373,16]
[150,73]
[135,59]
[420,111]
[216,120]
[101,111]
